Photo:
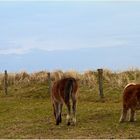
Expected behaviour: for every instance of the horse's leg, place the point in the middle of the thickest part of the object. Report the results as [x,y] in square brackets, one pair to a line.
[68,113]
[133,108]
[54,111]
[132,115]
[60,117]
[74,108]
[57,112]
[124,114]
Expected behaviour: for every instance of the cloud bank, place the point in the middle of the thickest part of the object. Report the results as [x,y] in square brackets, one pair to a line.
[26,46]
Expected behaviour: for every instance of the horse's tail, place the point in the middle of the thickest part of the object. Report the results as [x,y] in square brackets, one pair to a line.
[68,89]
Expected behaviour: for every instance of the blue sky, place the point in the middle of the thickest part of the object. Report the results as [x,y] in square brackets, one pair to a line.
[67,35]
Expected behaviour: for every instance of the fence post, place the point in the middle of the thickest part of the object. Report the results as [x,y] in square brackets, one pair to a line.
[100,81]
[5,82]
[49,82]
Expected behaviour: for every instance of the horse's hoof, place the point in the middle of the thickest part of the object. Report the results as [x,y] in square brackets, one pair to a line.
[74,121]
[132,120]
[121,121]
[68,123]
[73,124]
[57,122]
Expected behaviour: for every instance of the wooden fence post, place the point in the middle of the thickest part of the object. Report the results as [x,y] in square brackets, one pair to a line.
[100,81]
[49,82]
[5,82]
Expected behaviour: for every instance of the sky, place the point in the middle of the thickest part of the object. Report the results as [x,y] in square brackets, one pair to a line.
[69,35]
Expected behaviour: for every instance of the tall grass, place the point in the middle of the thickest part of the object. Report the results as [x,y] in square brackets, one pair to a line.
[88,78]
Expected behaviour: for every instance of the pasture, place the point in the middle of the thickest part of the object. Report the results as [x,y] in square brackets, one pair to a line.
[26,112]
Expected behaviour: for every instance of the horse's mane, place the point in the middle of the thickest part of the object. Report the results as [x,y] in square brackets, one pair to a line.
[130,84]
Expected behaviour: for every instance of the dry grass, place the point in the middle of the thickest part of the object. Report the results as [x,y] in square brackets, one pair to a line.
[88,78]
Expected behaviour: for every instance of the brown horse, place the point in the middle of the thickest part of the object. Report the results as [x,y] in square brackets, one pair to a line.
[62,91]
[131,100]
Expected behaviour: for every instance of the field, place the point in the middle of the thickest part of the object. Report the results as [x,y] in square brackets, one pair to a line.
[26,111]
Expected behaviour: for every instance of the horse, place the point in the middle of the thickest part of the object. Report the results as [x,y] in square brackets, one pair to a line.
[131,100]
[62,91]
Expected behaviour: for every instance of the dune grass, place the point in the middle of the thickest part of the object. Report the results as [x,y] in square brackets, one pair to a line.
[26,112]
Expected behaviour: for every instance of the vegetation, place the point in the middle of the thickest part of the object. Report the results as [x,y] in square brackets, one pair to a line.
[26,112]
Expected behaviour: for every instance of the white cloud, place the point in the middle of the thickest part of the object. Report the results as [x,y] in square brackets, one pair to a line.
[26,46]
[14,51]
[14,47]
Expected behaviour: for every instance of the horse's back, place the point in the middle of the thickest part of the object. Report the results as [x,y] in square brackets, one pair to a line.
[128,85]
[131,88]
[131,95]
[59,88]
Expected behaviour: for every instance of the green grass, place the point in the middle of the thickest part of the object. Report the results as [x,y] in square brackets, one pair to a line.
[26,112]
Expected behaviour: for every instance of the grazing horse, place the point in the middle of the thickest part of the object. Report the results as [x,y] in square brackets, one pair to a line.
[62,91]
[131,100]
